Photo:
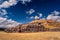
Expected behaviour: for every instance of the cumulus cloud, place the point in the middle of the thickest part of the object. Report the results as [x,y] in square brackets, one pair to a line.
[8,3]
[54,16]
[2,19]
[3,12]
[40,14]
[34,17]
[31,11]
[55,13]
[24,1]
[31,17]
[4,23]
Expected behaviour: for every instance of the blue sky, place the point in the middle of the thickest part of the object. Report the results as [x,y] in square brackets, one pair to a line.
[26,11]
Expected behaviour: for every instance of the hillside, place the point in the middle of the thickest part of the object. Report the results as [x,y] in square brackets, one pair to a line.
[36,26]
[47,23]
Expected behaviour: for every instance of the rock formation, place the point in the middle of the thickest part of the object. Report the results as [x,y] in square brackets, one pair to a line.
[36,26]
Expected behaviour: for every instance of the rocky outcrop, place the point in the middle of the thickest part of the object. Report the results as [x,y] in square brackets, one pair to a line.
[30,27]
[36,26]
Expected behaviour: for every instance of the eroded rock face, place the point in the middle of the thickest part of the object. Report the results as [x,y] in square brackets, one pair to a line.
[36,26]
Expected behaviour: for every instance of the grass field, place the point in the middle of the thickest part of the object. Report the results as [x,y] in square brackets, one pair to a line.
[30,36]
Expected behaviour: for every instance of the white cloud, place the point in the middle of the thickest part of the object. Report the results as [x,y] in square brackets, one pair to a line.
[54,16]
[2,19]
[24,1]
[31,17]
[57,18]
[31,11]
[5,23]
[3,12]
[6,16]
[12,23]
[34,17]
[55,13]
[40,14]
[8,3]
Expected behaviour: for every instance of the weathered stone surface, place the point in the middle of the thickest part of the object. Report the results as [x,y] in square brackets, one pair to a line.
[26,28]
[36,26]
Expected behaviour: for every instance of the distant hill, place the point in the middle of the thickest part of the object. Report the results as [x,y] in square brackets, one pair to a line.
[36,26]
[47,23]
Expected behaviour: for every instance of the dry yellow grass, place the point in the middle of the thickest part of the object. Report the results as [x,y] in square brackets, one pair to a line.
[30,36]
